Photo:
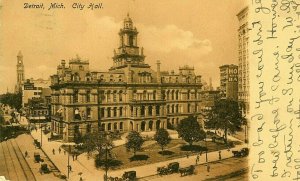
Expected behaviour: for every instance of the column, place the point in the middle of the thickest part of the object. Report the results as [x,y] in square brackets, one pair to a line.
[105,112]
[111,112]
[134,111]
[118,112]
[146,111]
[153,110]
[147,126]
[161,109]
[138,127]
[139,111]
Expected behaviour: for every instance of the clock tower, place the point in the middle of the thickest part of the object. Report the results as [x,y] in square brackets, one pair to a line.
[128,51]
[20,72]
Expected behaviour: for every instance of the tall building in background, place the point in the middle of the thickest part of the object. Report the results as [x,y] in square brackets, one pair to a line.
[243,59]
[229,81]
[20,73]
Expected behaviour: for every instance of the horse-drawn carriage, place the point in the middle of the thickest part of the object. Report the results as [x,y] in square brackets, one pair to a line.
[187,170]
[171,168]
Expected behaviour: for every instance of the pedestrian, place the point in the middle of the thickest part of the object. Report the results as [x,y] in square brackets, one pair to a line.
[59,150]
[76,156]
[208,168]
[220,155]
[26,154]
[53,151]
[73,156]
[197,159]
[70,167]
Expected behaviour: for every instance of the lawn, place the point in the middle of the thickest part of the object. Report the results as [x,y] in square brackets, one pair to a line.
[151,152]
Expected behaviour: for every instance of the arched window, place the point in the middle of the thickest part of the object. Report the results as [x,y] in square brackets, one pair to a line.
[131,40]
[115,112]
[108,112]
[172,94]
[150,110]
[88,96]
[157,110]
[121,125]
[88,128]
[143,110]
[144,95]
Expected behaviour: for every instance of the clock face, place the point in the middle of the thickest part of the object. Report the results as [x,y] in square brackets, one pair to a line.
[20,62]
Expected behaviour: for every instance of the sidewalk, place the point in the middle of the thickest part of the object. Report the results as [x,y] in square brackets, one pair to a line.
[60,160]
[86,166]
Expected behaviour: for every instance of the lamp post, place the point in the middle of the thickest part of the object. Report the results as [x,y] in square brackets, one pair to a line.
[107,148]
[41,127]
[69,148]
[206,158]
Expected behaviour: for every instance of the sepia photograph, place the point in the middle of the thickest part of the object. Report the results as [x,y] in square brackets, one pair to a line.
[127,90]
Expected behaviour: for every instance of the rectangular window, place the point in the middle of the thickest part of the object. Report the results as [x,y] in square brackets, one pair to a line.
[75,96]
[121,111]
[88,96]
[88,112]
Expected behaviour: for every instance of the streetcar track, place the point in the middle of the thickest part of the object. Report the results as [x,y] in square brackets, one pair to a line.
[21,161]
[11,175]
[7,172]
[29,169]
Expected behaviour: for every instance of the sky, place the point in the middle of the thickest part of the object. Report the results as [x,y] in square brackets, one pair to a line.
[199,33]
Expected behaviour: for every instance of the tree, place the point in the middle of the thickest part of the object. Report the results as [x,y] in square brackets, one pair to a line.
[162,138]
[97,141]
[134,141]
[225,115]
[13,100]
[190,130]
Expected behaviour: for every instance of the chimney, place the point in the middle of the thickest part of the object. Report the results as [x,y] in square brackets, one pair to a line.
[63,63]
[158,72]
[210,84]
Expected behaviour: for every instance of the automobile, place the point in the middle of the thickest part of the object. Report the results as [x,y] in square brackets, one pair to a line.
[37,157]
[44,168]
[241,153]
[129,175]
[173,167]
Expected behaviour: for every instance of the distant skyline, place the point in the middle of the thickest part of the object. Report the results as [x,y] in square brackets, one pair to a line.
[203,35]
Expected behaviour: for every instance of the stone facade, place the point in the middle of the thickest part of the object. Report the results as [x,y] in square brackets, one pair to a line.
[129,96]
[243,55]
[229,81]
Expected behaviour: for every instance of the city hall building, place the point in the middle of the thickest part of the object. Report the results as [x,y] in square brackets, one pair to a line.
[129,96]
